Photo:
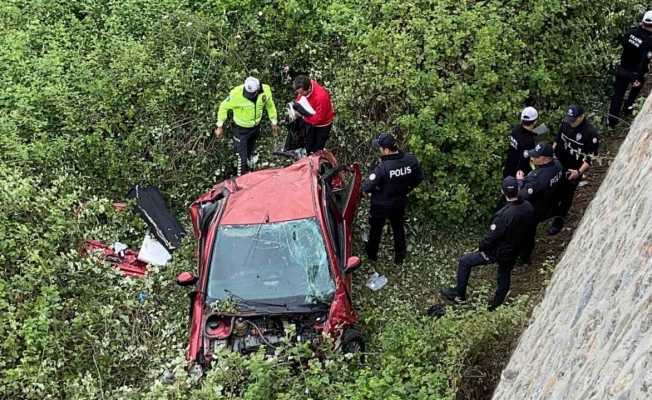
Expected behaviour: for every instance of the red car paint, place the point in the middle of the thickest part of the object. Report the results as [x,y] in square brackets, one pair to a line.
[276,195]
[127,262]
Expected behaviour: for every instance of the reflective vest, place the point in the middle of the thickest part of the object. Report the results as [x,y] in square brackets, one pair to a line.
[246,114]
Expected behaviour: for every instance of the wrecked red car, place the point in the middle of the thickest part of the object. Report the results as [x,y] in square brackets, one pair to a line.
[274,259]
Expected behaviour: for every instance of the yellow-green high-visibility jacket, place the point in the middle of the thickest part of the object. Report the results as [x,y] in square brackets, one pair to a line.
[245,113]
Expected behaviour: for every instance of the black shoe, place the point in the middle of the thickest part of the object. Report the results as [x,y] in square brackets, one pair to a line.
[553,230]
[556,227]
[628,111]
[451,294]
[436,311]
[522,267]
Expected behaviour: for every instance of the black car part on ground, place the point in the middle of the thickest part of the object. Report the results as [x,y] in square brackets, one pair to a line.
[150,204]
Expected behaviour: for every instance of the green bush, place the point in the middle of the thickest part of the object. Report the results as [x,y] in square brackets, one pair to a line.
[126,92]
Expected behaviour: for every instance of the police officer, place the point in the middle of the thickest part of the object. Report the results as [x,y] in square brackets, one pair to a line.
[396,174]
[575,145]
[539,188]
[637,53]
[521,141]
[247,103]
[502,244]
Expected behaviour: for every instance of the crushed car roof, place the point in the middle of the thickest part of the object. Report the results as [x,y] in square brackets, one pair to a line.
[272,195]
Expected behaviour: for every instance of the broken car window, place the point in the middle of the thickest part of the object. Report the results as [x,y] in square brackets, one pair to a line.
[271,261]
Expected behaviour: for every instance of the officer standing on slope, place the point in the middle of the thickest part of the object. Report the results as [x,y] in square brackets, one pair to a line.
[502,244]
[395,175]
[539,188]
[247,103]
[521,141]
[576,143]
[634,64]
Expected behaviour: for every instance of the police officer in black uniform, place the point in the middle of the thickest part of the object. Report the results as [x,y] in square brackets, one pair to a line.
[637,54]
[502,244]
[575,145]
[521,141]
[396,174]
[539,187]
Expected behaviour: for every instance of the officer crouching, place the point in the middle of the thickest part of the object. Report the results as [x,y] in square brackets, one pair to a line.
[396,174]
[508,233]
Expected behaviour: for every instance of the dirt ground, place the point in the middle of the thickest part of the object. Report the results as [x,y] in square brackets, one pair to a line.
[481,379]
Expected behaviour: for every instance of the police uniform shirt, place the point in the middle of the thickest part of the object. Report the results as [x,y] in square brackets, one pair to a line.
[509,228]
[576,145]
[637,52]
[521,141]
[392,179]
[539,187]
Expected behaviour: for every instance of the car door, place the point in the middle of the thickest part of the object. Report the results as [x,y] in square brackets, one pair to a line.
[352,181]
[347,198]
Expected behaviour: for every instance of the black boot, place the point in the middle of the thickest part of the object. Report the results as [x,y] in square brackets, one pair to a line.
[556,227]
[453,295]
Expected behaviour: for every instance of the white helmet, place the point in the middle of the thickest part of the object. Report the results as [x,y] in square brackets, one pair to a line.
[647,18]
[529,114]
[252,85]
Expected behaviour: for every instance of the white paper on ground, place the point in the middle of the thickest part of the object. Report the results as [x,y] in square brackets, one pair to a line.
[153,252]
[118,247]
[376,282]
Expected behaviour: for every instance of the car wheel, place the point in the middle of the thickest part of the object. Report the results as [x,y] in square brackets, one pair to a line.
[352,341]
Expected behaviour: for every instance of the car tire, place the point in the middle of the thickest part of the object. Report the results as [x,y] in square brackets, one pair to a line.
[351,341]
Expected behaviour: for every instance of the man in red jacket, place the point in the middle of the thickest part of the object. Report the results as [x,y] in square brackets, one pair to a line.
[313,104]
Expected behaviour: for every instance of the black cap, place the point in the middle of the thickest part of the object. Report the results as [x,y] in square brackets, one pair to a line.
[384,140]
[573,113]
[541,149]
[510,186]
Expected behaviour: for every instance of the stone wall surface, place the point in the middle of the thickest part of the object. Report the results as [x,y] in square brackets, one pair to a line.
[591,336]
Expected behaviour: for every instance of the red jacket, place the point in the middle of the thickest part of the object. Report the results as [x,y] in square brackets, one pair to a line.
[320,101]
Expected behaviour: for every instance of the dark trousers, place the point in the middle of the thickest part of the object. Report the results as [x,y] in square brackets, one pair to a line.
[377,217]
[565,194]
[244,143]
[528,246]
[316,137]
[295,138]
[623,81]
[503,276]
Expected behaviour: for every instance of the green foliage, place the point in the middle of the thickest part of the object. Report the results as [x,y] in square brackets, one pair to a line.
[126,92]
[96,96]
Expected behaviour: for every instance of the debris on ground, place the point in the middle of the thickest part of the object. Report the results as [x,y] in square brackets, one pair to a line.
[150,204]
[126,260]
[376,281]
[153,252]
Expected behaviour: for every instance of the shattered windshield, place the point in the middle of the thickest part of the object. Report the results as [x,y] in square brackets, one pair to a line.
[284,260]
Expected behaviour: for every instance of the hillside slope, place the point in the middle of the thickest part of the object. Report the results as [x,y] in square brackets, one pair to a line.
[590,338]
